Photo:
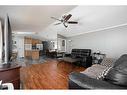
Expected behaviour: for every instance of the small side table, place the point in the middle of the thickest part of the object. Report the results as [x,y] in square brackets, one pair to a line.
[98,57]
[60,54]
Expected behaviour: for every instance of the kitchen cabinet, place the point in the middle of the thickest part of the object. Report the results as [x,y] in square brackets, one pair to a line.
[28,53]
[35,54]
[32,47]
[27,40]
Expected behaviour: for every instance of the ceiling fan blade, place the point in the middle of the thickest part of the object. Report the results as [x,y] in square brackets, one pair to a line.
[57,23]
[72,22]
[67,17]
[55,18]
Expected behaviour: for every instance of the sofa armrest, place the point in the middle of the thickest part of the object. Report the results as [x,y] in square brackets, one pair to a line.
[86,61]
[82,81]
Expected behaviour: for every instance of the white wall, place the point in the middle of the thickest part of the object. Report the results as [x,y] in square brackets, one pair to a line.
[20,45]
[1,46]
[112,42]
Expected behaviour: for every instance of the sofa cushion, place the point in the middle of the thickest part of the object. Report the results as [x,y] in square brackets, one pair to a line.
[94,71]
[118,74]
[71,60]
[104,73]
[120,60]
[99,70]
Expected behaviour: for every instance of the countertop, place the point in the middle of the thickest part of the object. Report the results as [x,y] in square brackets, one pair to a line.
[33,50]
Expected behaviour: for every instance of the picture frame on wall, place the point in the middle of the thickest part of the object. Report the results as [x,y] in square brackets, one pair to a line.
[63,42]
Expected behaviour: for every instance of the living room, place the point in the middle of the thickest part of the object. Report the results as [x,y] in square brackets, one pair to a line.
[57,46]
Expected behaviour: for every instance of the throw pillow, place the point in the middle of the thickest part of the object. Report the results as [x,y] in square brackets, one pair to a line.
[108,62]
[103,74]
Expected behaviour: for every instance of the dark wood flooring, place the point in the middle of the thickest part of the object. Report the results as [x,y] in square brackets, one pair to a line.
[49,75]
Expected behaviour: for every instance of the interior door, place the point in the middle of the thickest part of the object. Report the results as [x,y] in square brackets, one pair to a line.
[20,46]
[1,42]
[61,45]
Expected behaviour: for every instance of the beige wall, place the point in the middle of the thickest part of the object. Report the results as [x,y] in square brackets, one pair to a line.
[112,42]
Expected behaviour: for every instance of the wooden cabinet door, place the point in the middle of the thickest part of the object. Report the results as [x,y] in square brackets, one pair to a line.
[34,42]
[27,40]
[39,42]
[35,54]
[28,53]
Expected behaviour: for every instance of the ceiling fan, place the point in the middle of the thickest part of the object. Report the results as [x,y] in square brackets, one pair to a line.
[65,20]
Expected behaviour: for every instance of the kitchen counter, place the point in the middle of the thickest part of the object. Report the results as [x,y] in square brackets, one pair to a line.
[34,53]
[35,50]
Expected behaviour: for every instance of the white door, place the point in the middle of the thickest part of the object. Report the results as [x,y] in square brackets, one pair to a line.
[61,45]
[20,46]
[1,45]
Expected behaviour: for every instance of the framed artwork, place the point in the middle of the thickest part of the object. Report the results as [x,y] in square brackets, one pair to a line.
[63,42]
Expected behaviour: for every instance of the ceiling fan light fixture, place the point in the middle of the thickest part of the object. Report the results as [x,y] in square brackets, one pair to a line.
[65,20]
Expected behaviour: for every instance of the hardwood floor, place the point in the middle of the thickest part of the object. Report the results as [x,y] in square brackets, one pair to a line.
[49,75]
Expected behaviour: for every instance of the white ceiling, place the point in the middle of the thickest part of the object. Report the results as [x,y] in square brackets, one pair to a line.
[90,18]
[32,18]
